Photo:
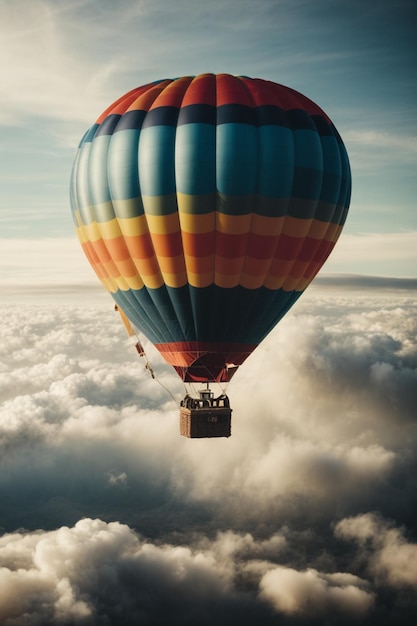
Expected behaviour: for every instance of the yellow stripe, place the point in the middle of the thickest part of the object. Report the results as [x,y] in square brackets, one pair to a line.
[154,281]
[163,224]
[296,227]
[290,284]
[133,226]
[175,280]
[262,225]
[227,280]
[109,285]
[110,229]
[333,232]
[80,232]
[274,282]
[233,224]
[198,224]
[318,229]
[251,282]
[200,280]
[303,283]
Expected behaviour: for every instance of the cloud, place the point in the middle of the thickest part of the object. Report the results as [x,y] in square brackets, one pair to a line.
[44,57]
[323,431]
[100,573]
[104,573]
[390,558]
[311,593]
[377,251]
[386,145]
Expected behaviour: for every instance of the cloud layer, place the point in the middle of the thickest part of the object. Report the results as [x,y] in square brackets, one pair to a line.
[305,515]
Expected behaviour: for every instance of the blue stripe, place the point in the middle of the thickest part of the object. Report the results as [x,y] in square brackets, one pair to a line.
[97,170]
[308,150]
[89,134]
[236,159]
[108,125]
[195,159]
[123,165]
[197,114]
[276,161]
[212,314]
[156,160]
[131,120]
[161,116]
[81,186]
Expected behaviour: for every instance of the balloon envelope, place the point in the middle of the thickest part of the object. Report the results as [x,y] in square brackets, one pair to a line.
[206,205]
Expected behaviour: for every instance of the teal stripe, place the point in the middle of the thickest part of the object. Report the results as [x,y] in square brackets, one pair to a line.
[276,161]
[156,160]
[123,165]
[81,186]
[195,159]
[210,314]
[97,170]
[236,159]
[308,150]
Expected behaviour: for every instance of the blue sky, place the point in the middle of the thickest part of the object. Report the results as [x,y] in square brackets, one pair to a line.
[62,63]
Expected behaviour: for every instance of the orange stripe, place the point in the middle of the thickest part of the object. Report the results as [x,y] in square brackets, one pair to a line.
[140,246]
[117,249]
[199,265]
[172,265]
[147,267]
[173,93]
[167,245]
[146,99]
[127,268]
[257,267]
[229,266]
[101,250]
[280,267]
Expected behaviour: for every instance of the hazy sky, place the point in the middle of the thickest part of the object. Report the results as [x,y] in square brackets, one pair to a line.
[63,62]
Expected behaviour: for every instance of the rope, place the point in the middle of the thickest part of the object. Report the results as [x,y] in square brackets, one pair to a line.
[148,367]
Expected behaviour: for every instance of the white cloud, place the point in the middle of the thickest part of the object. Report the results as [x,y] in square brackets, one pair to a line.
[404,146]
[391,559]
[80,573]
[311,593]
[46,73]
[323,427]
[378,251]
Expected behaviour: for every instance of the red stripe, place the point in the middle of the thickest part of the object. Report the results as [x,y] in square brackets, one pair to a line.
[201,91]
[261,246]
[231,246]
[288,248]
[197,361]
[198,244]
[231,90]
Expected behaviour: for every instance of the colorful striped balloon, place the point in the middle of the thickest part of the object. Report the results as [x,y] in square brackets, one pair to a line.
[206,205]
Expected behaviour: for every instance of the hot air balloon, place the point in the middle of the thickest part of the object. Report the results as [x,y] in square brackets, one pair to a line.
[206,205]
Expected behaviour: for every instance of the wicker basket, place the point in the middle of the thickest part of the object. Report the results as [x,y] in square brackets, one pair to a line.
[205,422]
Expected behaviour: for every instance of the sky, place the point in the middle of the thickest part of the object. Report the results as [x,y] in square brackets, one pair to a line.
[63,63]
[306,515]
